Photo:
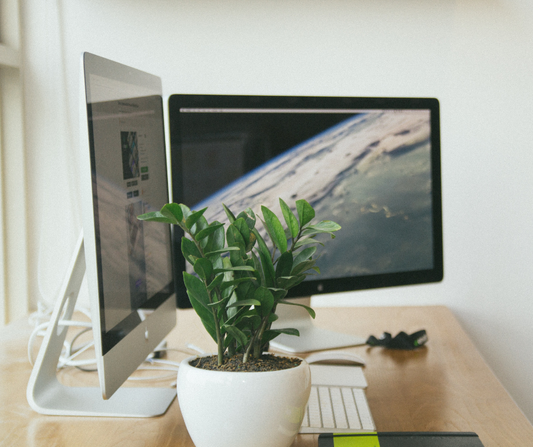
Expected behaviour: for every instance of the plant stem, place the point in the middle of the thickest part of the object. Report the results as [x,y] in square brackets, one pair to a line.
[295,239]
[258,337]
[247,351]
[220,344]
[220,337]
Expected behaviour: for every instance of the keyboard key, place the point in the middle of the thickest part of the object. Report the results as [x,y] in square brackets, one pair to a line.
[341,409]
[326,407]
[313,409]
[338,408]
[364,410]
[351,409]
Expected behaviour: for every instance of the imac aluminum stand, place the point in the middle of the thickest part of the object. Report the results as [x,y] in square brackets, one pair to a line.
[47,395]
[312,338]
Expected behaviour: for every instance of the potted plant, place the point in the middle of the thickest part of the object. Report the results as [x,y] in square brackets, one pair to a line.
[239,281]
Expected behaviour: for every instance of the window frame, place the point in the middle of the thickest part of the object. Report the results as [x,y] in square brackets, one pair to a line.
[14,297]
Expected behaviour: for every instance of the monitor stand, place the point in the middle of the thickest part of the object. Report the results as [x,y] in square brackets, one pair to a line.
[47,395]
[312,338]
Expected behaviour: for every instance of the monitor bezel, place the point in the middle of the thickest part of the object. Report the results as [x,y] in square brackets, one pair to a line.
[317,286]
[116,361]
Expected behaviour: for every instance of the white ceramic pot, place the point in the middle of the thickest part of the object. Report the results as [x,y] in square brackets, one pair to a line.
[243,409]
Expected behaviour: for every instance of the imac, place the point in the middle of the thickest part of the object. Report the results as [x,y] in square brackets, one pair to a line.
[370,164]
[127,263]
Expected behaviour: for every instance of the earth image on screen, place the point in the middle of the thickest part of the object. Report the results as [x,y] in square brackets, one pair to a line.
[371,174]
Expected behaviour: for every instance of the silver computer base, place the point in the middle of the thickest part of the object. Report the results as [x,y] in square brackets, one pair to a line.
[47,395]
[312,338]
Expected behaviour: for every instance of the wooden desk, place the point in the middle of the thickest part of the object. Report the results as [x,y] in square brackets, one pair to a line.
[445,386]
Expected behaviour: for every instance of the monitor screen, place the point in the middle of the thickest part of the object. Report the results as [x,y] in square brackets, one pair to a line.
[370,164]
[129,262]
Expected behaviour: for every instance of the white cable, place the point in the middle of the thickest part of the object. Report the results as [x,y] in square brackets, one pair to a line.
[73,323]
[69,361]
[164,377]
[164,362]
[195,348]
[172,366]
[185,350]
[38,331]
[69,354]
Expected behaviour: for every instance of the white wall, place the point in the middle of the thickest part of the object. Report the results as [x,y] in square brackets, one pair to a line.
[476,56]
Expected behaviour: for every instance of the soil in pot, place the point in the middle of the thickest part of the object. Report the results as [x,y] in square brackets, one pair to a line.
[267,362]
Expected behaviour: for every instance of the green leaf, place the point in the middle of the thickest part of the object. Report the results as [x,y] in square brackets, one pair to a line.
[265,297]
[202,234]
[251,242]
[272,318]
[306,241]
[306,213]
[288,331]
[228,275]
[171,213]
[240,224]
[157,216]
[190,250]
[198,227]
[236,333]
[215,241]
[215,283]
[220,302]
[239,268]
[223,250]
[194,217]
[235,314]
[279,293]
[290,281]
[196,287]
[325,226]
[249,217]
[284,265]
[241,303]
[250,320]
[199,298]
[248,237]
[303,267]
[268,272]
[269,335]
[231,216]
[203,268]
[275,229]
[307,308]
[235,239]
[235,282]
[304,255]
[173,210]
[290,219]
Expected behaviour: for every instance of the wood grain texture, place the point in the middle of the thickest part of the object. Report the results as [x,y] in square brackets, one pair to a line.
[445,386]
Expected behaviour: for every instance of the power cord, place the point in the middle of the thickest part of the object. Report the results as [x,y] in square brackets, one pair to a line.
[68,358]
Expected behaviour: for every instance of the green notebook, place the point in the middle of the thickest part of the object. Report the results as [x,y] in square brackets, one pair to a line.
[399,439]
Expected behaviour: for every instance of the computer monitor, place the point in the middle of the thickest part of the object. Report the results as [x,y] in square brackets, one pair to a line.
[128,263]
[370,164]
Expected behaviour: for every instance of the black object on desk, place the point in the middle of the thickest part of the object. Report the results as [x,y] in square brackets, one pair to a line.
[401,341]
[400,439]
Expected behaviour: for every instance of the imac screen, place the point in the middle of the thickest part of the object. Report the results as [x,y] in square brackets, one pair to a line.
[128,165]
[370,164]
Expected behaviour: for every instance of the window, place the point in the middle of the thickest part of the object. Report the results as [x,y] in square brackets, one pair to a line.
[13,238]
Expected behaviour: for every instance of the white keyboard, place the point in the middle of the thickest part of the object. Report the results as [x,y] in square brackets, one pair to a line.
[337,408]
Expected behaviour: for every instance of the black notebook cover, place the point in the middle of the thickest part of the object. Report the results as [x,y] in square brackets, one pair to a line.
[399,439]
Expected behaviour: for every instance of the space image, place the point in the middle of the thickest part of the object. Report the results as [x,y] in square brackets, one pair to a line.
[371,174]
